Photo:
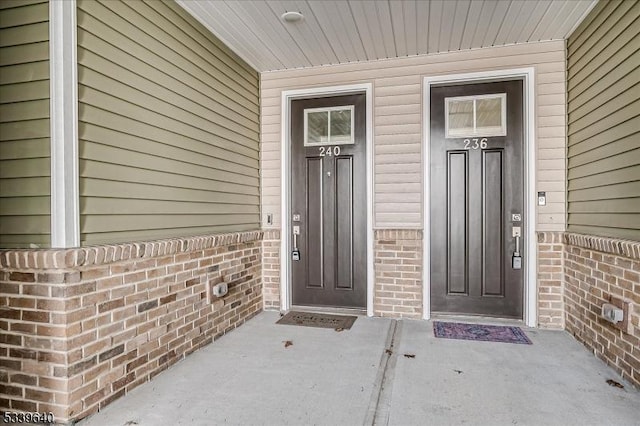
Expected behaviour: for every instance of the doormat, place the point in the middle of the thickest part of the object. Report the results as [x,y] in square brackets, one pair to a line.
[485,333]
[312,319]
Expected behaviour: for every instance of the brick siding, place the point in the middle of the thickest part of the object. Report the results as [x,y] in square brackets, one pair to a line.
[82,327]
[271,269]
[398,273]
[550,276]
[598,270]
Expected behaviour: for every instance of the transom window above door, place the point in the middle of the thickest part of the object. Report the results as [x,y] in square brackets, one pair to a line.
[328,126]
[476,116]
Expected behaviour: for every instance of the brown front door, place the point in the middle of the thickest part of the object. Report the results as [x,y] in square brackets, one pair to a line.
[328,194]
[476,204]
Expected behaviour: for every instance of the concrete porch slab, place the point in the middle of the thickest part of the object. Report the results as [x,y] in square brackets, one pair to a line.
[554,381]
[346,378]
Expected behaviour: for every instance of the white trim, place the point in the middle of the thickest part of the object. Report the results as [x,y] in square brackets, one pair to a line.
[530,314]
[285,193]
[582,18]
[65,211]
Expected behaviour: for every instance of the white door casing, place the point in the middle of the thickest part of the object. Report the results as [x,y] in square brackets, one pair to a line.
[285,191]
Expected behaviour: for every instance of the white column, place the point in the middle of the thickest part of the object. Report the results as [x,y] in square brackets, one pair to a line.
[65,212]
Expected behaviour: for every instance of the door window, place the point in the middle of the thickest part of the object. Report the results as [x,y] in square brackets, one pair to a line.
[328,126]
[476,116]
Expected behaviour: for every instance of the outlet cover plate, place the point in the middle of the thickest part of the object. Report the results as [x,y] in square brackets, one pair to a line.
[626,306]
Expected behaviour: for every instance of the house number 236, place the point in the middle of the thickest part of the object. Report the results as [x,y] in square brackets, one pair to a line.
[329,151]
[475,143]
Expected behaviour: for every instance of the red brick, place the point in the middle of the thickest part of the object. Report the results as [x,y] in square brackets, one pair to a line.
[24,379]
[27,406]
[111,305]
[51,277]
[27,277]
[35,316]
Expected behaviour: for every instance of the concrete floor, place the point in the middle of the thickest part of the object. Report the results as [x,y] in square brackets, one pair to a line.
[326,377]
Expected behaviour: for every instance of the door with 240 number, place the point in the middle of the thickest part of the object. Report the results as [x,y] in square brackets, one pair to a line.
[328,194]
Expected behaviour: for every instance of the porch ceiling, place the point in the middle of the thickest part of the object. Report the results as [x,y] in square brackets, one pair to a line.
[340,31]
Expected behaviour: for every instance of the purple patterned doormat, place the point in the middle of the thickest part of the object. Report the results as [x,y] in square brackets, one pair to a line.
[485,333]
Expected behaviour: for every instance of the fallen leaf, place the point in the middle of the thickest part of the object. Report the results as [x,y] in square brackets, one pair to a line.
[288,343]
[458,371]
[615,384]
[339,329]
[388,351]
[409,356]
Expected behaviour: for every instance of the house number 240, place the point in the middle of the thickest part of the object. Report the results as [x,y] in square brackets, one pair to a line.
[329,151]
[475,143]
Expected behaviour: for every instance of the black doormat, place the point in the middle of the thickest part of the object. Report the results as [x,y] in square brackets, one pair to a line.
[312,319]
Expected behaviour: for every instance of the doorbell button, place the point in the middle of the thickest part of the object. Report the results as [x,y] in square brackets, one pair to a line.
[542,198]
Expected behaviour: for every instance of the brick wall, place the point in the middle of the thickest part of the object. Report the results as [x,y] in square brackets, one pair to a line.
[33,354]
[83,327]
[398,273]
[271,269]
[550,277]
[601,270]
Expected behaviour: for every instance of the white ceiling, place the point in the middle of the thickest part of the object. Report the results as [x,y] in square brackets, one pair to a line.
[340,31]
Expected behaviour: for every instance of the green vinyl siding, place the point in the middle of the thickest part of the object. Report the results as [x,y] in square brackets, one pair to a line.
[603,165]
[168,125]
[25,185]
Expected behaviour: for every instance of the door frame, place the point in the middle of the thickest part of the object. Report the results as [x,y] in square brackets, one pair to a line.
[530,302]
[285,185]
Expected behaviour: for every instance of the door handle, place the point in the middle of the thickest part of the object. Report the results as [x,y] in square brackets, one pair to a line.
[516,259]
[517,233]
[295,254]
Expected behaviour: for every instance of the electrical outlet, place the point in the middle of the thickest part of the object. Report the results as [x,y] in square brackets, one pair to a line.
[625,325]
[220,290]
[612,313]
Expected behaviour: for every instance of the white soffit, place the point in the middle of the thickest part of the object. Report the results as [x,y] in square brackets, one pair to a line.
[341,31]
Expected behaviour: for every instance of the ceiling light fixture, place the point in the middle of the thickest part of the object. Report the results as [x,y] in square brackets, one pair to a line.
[292,16]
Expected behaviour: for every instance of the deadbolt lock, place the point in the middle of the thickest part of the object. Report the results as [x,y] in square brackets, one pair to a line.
[517,232]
